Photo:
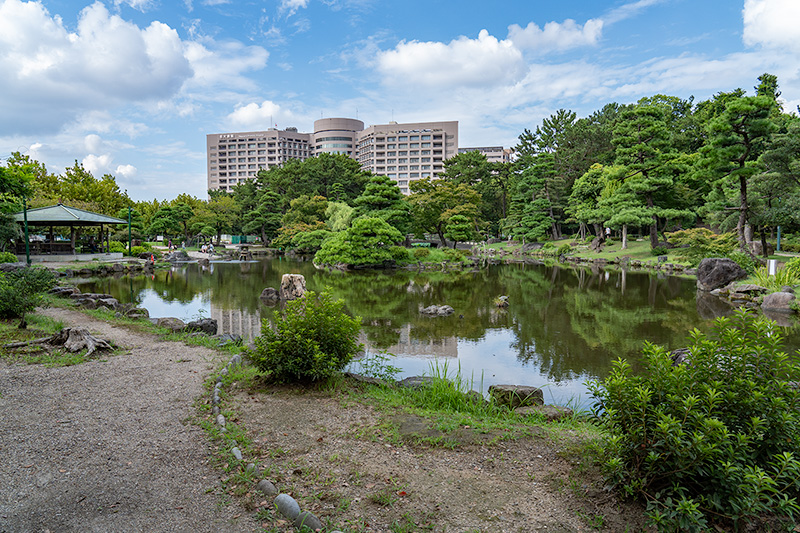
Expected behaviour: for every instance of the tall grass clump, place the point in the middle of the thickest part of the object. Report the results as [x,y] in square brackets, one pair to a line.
[774,283]
[713,442]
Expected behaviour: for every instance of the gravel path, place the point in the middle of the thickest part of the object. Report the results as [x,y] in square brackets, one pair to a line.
[106,446]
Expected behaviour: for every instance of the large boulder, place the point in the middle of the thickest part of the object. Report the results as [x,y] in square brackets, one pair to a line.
[716,272]
[778,302]
[293,286]
[437,310]
[206,325]
[516,395]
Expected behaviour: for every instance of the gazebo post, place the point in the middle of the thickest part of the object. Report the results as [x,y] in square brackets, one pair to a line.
[27,244]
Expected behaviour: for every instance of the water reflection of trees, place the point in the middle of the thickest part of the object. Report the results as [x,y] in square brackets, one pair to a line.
[574,322]
[571,323]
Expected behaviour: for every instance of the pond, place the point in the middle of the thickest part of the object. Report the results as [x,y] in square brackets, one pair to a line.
[563,326]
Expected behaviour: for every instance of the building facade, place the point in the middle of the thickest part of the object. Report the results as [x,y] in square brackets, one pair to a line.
[494,154]
[403,152]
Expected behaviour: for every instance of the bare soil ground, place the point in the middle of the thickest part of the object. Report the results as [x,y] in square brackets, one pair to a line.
[108,446]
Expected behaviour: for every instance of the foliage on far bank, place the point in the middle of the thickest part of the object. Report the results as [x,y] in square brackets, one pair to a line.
[712,441]
[312,340]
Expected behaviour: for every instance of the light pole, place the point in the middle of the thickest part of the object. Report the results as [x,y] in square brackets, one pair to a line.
[25,218]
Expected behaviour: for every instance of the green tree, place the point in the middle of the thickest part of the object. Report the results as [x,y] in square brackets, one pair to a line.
[459,229]
[382,198]
[736,140]
[338,215]
[306,210]
[369,241]
[433,202]
[264,218]
[22,290]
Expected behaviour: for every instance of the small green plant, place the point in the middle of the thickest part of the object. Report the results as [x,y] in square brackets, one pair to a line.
[311,341]
[8,257]
[714,441]
[117,247]
[376,365]
[743,260]
[782,277]
[792,268]
[658,250]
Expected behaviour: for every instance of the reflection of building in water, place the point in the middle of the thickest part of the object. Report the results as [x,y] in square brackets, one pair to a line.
[237,322]
[410,347]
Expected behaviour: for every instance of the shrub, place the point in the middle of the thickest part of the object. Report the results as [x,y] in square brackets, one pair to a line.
[8,257]
[792,268]
[22,290]
[399,254]
[420,253]
[117,247]
[658,250]
[701,243]
[747,263]
[367,242]
[308,242]
[311,341]
[564,249]
[136,250]
[716,439]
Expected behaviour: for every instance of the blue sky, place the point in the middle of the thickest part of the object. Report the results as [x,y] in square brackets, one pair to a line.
[131,87]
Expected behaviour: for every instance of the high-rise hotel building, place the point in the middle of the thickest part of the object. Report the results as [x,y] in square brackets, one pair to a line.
[403,152]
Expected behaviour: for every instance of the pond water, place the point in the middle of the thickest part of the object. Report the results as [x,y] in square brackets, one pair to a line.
[563,326]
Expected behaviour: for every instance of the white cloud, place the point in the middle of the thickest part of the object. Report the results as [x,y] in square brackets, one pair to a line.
[463,62]
[290,7]
[51,74]
[126,171]
[92,143]
[259,116]
[98,165]
[140,5]
[772,23]
[556,36]
[222,64]
[626,11]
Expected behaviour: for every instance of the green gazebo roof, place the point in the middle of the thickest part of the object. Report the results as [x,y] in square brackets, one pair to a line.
[63,215]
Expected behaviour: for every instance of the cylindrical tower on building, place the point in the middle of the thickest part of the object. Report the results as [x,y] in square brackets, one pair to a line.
[336,136]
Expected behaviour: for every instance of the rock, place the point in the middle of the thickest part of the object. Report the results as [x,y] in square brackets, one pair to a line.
[293,286]
[177,256]
[169,322]
[267,488]
[778,302]
[203,261]
[220,420]
[12,267]
[108,303]
[757,249]
[287,506]
[787,288]
[502,302]
[137,312]
[227,338]
[415,382]
[596,245]
[716,272]
[236,452]
[65,291]
[550,412]
[206,325]
[364,379]
[306,519]
[437,310]
[516,395]
[251,468]
[746,288]
[270,294]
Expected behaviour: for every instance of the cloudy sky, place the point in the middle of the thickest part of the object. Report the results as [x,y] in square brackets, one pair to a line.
[131,87]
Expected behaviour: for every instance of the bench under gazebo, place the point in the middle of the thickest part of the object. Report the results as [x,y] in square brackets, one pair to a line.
[60,216]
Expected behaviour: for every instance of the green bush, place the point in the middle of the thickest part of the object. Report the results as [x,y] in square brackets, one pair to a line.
[22,290]
[420,253]
[399,254]
[703,243]
[8,257]
[117,247]
[659,250]
[747,263]
[311,341]
[711,442]
[564,249]
[774,283]
[792,268]
[136,250]
[367,242]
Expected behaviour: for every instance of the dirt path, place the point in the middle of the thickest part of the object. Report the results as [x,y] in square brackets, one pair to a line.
[106,446]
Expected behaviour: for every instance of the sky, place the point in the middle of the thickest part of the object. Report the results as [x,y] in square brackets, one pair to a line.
[131,87]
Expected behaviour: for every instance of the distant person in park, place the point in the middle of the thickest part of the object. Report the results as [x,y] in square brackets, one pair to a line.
[608,232]
[204,249]
[92,245]
[211,248]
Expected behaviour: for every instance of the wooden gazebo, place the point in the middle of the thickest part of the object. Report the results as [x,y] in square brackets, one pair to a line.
[61,215]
